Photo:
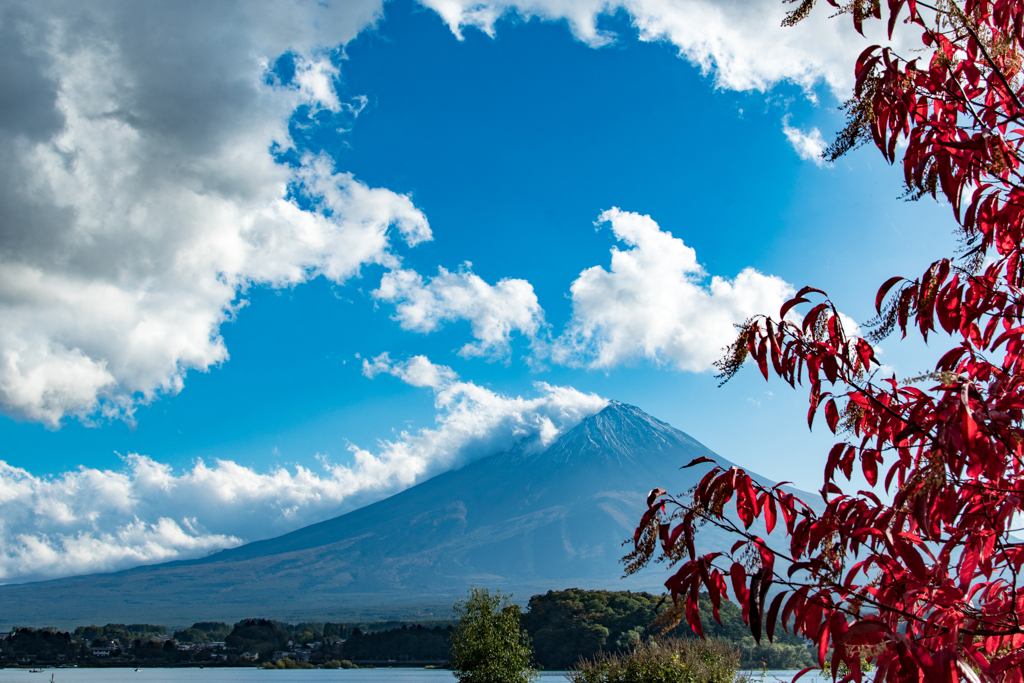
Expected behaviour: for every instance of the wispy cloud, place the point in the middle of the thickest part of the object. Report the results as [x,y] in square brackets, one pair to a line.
[809,146]
[741,42]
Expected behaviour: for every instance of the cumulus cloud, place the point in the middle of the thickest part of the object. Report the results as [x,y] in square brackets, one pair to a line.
[418,371]
[740,41]
[493,311]
[809,146]
[656,303]
[141,194]
[93,520]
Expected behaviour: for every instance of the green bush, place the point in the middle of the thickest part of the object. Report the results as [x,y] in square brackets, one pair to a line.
[774,655]
[663,660]
[335,664]
[287,663]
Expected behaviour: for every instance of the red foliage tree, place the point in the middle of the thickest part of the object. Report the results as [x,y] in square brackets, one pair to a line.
[926,586]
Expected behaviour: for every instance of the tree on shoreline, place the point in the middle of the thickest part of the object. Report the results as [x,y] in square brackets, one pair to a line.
[489,645]
[926,586]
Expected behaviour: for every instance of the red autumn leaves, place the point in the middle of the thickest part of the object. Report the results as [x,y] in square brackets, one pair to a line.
[926,586]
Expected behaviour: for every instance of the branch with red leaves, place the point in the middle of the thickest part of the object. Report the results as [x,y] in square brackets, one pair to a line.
[926,585]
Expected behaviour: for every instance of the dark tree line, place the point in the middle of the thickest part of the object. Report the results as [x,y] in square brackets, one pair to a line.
[417,643]
[563,627]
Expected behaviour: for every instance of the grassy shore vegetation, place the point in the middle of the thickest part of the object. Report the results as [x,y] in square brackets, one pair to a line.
[663,660]
[288,663]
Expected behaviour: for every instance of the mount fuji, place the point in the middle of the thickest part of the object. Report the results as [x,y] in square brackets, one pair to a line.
[520,522]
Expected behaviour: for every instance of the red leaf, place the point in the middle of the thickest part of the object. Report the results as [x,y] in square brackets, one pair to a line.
[788,306]
[866,353]
[773,615]
[693,609]
[653,495]
[754,605]
[812,316]
[831,415]
[739,582]
[762,357]
[968,427]
[884,290]
[814,398]
[769,512]
[804,291]
[823,643]
[695,461]
[644,521]
[870,468]
[969,563]
[911,557]
[663,530]
[702,567]
[864,627]
[803,671]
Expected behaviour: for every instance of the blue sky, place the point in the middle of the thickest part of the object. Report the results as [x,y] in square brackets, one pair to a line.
[222,302]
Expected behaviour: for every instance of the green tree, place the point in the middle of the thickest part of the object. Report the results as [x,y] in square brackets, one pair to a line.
[203,632]
[257,635]
[489,645]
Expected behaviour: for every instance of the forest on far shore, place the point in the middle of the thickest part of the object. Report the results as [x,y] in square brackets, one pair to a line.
[563,626]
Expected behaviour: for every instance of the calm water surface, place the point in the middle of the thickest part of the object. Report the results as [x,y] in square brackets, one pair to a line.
[247,675]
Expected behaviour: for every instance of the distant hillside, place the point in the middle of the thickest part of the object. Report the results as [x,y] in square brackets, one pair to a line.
[524,523]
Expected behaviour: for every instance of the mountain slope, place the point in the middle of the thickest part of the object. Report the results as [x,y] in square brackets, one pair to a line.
[519,522]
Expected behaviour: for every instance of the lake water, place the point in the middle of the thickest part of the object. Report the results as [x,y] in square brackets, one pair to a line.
[248,675]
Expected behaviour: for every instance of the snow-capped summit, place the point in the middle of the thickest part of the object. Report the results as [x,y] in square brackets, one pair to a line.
[622,433]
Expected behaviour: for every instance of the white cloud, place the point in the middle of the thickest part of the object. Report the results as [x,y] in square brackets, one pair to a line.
[654,303]
[93,520]
[741,41]
[479,420]
[809,146]
[418,371]
[140,196]
[140,199]
[493,311]
[316,79]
